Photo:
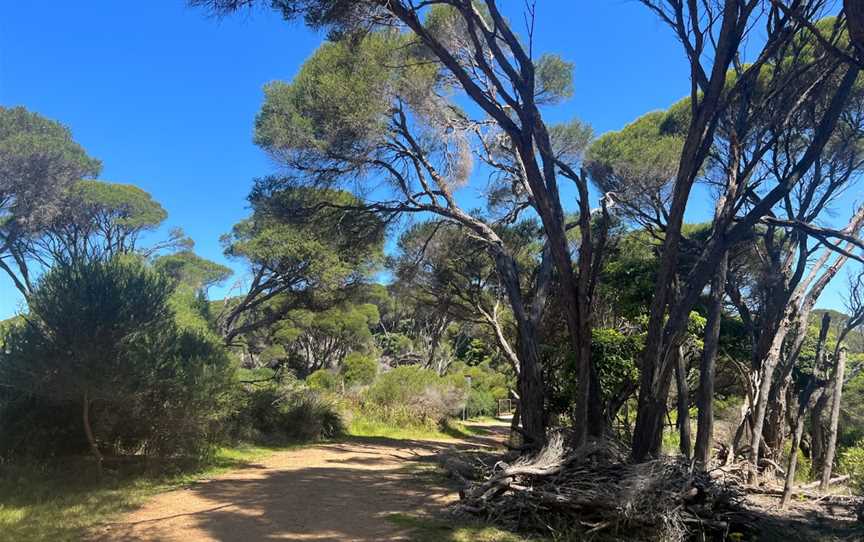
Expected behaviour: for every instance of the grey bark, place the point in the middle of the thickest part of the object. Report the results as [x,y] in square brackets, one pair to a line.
[88,431]
[837,393]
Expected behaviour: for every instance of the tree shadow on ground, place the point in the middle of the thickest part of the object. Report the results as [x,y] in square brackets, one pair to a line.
[346,492]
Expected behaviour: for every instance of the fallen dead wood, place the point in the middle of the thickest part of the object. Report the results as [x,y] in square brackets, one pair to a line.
[803,490]
[596,488]
[832,481]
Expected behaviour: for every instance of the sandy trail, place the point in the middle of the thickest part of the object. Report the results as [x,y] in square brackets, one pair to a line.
[328,492]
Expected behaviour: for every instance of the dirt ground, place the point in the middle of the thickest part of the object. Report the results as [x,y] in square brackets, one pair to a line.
[328,492]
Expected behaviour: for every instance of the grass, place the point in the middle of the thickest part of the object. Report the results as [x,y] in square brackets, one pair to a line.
[365,426]
[436,530]
[61,503]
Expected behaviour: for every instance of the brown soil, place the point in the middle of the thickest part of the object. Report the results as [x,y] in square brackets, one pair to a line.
[328,492]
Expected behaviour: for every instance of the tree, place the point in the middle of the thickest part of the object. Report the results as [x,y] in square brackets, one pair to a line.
[39,161]
[394,85]
[711,97]
[855,307]
[100,336]
[192,270]
[313,340]
[446,269]
[306,249]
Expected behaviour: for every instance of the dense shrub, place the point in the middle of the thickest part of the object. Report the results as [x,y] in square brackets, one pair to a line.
[358,369]
[487,386]
[412,395]
[103,335]
[852,463]
[283,412]
[324,380]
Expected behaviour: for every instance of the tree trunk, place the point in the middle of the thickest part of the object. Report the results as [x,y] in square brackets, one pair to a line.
[515,436]
[648,433]
[683,403]
[705,393]
[766,376]
[818,434]
[855,22]
[808,397]
[837,393]
[88,430]
[796,317]
[774,429]
[530,376]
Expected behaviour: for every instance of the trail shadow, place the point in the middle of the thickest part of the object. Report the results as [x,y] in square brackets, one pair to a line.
[347,495]
[803,521]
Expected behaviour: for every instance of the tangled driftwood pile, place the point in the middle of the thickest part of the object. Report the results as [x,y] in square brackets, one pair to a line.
[596,490]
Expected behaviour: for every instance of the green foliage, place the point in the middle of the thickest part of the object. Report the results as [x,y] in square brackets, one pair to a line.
[554,78]
[413,396]
[39,160]
[327,336]
[323,380]
[303,249]
[359,369]
[98,220]
[104,331]
[189,269]
[338,102]
[394,344]
[283,412]
[852,463]
[487,386]
[616,356]
[125,206]
[629,275]
[637,163]
[570,139]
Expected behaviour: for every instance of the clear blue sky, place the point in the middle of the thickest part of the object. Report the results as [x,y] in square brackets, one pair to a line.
[165,96]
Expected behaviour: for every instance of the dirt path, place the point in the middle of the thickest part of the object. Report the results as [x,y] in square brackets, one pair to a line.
[328,492]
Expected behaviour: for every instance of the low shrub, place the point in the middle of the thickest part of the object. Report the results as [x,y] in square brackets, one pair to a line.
[852,463]
[323,380]
[283,412]
[487,386]
[411,396]
[359,369]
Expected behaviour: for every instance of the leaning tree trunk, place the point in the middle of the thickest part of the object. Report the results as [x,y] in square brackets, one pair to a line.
[683,403]
[837,393]
[808,397]
[88,430]
[705,393]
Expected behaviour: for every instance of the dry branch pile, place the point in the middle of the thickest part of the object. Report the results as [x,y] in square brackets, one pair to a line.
[596,490]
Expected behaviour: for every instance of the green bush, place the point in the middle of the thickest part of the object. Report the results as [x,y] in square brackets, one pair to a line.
[323,380]
[487,386]
[852,463]
[103,334]
[358,369]
[283,412]
[412,396]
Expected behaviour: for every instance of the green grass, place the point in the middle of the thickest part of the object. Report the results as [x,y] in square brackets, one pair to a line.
[365,426]
[61,502]
[435,530]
